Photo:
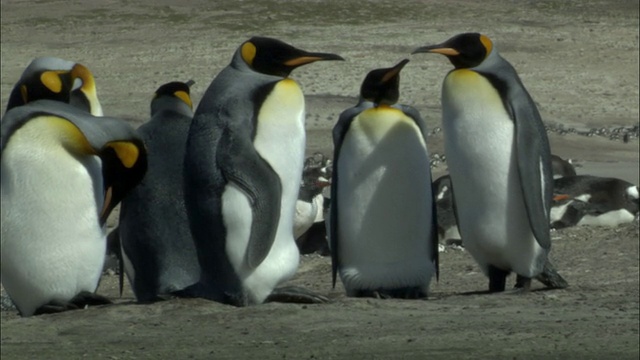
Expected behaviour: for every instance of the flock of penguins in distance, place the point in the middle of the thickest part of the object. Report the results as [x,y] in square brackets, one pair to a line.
[219,202]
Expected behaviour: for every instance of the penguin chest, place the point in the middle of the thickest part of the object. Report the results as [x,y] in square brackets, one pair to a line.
[482,159]
[280,141]
[51,198]
[280,137]
[384,201]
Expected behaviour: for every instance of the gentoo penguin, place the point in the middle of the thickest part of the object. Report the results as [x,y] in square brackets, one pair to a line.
[383,233]
[448,232]
[310,203]
[243,167]
[63,171]
[158,252]
[56,79]
[561,167]
[499,162]
[592,200]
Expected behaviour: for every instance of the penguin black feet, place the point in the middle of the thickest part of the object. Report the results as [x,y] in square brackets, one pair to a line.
[413,292]
[295,294]
[79,301]
[497,279]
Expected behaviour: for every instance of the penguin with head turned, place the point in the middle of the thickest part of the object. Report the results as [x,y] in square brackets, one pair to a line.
[499,162]
[158,252]
[56,79]
[63,172]
[243,167]
[383,230]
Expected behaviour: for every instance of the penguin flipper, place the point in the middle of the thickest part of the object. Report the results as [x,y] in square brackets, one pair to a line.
[433,235]
[533,152]
[244,167]
[339,132]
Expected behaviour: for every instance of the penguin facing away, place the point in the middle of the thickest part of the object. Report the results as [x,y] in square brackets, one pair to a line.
[383,230]
[158,252]
[56,79]
[243,167]
[63,171]
[499,162]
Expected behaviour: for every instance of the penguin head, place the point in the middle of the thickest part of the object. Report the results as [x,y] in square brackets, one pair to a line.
[43,84]
[84,94]
[175,89]
[274,57]
[382,86]
[465,50]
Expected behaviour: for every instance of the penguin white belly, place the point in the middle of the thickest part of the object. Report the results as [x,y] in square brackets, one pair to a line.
[305,215]
[52,244]
[384,203]
[280,140]
[482,160]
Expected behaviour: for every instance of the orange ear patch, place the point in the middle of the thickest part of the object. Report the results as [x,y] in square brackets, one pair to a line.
[126,151]
[182,95]
[51,79]
[248,52]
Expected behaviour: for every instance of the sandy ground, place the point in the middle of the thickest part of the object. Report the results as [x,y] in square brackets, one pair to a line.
[579,60]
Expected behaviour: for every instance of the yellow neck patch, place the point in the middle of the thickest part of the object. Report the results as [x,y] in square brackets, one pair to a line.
[127,152]
[487,43]
[184,97]
[51,79]
[248,52]
[72,138]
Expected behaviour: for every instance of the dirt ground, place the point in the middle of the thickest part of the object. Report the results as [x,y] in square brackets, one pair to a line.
[579,60]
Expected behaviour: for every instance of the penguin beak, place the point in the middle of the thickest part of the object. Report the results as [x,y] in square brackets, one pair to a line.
[190,82]
[438,49]
[308,58]
[394,71]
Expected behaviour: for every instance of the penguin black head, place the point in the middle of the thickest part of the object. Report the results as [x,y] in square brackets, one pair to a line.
[274,57]
[381,86]
[177,89]
[46,84]
[465,50]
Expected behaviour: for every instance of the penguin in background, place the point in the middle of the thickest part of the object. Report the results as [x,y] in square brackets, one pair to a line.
[158,252]
[383,230]
[561,167]
[243,167]
[63,172]
[499,162]
[448,231]
[56,79]
[593,200]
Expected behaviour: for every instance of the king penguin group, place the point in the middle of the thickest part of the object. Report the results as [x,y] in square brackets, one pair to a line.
[211,195]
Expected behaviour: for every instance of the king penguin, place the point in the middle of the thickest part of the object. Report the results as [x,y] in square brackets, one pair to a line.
[44,78]
[499,162]
[383,230]
[158,251]
[63,170]
[243,167]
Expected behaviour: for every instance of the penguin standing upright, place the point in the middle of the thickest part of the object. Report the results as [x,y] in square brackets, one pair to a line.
[158,251]
[44,77]
[499,161]
[63,171]
[243,168]
[383,234]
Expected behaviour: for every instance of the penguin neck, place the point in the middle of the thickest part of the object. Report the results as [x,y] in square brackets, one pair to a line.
[168,103]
